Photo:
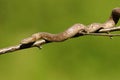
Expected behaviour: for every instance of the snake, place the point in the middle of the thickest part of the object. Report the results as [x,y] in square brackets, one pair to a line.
[74,30]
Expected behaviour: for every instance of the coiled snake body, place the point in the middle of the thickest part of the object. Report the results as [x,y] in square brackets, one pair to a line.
[74,30]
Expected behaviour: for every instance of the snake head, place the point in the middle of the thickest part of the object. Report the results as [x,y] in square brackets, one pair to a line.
[115,14]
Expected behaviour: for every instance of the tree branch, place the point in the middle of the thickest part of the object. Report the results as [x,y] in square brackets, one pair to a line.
[110,29]
[95,29]
[38,43]
[19,47]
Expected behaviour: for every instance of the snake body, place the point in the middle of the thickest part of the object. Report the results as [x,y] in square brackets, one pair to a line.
[74,30]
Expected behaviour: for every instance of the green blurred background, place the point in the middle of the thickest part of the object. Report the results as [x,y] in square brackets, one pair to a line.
[83,58]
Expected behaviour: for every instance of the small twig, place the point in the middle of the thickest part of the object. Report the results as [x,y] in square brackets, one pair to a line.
[18,47]
[110,29]
[101,34]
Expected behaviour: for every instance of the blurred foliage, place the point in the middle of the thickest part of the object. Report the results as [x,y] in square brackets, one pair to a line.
[84,58]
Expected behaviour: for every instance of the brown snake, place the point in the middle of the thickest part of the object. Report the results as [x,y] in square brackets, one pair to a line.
[74,30]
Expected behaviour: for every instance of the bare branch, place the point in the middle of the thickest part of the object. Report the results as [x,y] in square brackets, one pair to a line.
[101,34]
[110,29]
[95,29]
[38,43]
[19,47]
